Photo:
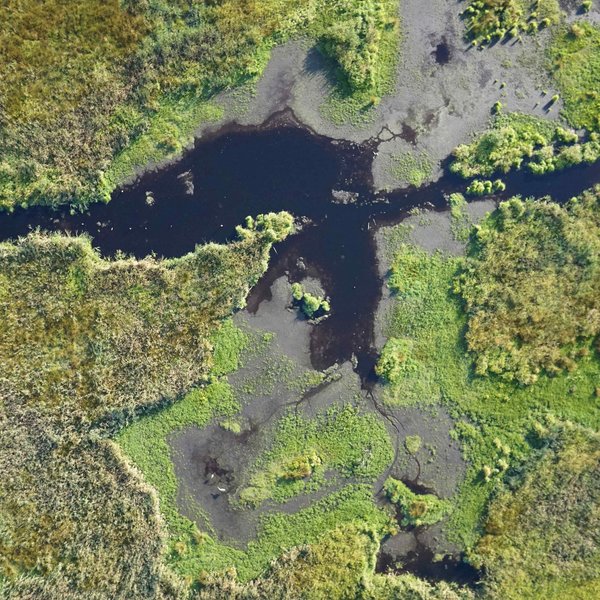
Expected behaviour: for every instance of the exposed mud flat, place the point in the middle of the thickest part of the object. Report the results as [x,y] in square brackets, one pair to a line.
[212,464]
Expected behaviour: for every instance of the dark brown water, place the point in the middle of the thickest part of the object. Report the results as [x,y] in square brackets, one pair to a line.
[279,166]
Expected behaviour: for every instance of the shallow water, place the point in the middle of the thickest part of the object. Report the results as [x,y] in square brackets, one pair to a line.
[240,171]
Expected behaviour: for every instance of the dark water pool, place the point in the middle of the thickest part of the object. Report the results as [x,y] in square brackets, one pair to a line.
[279,166]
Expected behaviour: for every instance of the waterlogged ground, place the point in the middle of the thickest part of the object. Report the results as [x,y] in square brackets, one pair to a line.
[300,383]
[215,465]
[303,368]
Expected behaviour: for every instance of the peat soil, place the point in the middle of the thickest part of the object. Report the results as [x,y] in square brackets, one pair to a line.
[280,165]
[214,464]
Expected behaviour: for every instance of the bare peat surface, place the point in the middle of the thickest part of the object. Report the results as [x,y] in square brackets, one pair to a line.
[280,165]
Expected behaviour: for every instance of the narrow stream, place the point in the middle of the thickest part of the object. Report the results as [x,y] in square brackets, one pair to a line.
[240,171]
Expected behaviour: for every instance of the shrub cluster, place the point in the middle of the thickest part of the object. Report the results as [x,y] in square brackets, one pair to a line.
[85,343]
[516,141]
[417,509]
[491,20]
[531,287]
[312,306]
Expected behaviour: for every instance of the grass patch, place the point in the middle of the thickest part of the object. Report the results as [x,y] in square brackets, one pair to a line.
[516,141]
[493,416]
[339,565]
[460,222]
[492,20]
[280,531]
[85,344]
[542,530]
[417,509]
[304,450]
[93,91]
[574,57]
[412,168]
[145,442]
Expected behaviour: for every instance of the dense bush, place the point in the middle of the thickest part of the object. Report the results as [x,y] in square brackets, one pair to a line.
[485,187]
[312,306]
[85,342]
[575,64]
[542,536]
[92,90]
[395,360]
[516,141]
[353,41]
[417,509]
[532,286]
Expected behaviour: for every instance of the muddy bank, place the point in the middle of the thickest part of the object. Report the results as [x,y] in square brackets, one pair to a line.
[215,463]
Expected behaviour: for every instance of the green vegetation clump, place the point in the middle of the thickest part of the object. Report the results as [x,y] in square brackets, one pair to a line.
[413,443]
[492,416]
[542,533]
[412,168]
[362,38]
[312,306]
[492,20]
[94,90]
[460,223]
[303,450]
[338,566]
[516,141]
[417,509]
[395,360]
[86,343]
[574,57]
[485,187]
[531,287]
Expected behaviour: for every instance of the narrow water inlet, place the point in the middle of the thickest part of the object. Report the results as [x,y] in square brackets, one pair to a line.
[280,165]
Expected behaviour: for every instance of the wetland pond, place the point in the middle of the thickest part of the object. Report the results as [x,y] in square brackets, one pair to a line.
[327,184]
[240,171]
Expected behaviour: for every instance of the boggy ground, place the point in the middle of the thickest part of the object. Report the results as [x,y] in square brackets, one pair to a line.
[214,464]
[444,93]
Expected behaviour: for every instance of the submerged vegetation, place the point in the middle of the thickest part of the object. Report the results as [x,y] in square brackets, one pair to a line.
[412,168]
[100,89]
